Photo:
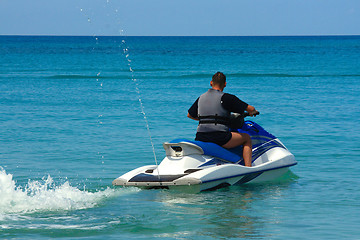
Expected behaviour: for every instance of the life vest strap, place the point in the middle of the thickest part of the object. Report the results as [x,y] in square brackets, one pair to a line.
[214,119]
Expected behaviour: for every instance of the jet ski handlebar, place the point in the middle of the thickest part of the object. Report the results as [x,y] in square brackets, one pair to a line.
[246,114]
[237,119]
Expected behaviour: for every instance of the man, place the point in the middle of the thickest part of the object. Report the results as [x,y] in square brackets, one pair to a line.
[213,109]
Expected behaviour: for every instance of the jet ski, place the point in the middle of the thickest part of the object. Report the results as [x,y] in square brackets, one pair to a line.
[207,166]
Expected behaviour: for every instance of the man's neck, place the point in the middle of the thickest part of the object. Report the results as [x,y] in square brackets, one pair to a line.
[217,88]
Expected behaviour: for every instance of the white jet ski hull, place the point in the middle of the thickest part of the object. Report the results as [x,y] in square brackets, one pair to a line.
[186,166]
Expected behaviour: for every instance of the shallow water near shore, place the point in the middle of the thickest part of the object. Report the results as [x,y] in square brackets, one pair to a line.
[71,122]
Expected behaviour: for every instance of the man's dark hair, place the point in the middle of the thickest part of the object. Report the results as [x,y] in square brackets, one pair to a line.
[219,79]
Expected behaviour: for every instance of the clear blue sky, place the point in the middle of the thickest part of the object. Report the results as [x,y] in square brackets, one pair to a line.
[180,17]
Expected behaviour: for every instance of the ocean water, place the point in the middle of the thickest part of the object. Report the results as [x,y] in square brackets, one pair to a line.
[75,114]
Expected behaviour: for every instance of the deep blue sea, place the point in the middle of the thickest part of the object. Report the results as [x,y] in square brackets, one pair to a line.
[75,113]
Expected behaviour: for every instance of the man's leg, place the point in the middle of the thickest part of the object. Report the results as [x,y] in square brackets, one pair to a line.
[244,139]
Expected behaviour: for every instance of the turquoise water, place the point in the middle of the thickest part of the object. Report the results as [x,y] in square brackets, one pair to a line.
[72,119]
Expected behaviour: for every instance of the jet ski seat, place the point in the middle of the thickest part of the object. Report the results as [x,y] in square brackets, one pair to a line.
[212,149]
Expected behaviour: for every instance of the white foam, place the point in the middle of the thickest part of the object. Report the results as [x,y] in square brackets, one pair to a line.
[38,196]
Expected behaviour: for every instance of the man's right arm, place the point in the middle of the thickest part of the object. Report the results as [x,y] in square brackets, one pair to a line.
[251,110]
[234,104]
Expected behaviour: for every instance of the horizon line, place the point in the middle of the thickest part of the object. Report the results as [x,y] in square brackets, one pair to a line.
[65,35]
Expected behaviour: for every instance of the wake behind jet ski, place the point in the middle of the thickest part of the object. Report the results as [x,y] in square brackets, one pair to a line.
[207,166]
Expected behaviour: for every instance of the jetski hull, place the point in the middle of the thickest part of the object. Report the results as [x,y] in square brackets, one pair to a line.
[195,184]
[211,177]
[204,166]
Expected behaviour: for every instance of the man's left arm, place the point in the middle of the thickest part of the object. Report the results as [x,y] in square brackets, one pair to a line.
[193,111]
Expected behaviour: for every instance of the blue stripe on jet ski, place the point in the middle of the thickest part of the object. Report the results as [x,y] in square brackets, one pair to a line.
[213,161]
[248,178]
[243,180]
[260,171]
[264,148]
